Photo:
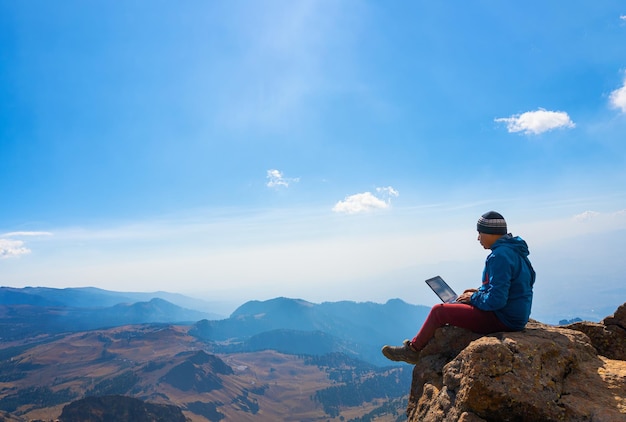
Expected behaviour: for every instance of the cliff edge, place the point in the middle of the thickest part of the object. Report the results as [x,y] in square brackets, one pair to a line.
[544,373]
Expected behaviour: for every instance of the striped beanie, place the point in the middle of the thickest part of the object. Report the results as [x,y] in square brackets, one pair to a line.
[491,223]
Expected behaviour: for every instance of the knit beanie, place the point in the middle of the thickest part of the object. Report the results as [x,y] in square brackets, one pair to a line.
[491,223]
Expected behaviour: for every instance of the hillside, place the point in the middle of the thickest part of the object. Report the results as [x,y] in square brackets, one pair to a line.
[163,364]
[119,408]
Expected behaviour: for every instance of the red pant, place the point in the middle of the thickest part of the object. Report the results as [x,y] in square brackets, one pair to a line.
[459,315]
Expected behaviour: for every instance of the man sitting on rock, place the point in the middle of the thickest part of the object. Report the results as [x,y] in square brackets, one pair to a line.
[502,303]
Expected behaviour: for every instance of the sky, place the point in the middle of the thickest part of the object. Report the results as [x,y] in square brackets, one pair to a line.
[323,150]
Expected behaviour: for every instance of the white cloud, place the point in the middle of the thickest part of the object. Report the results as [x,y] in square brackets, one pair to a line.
[366,201]
[276,179]
[388,191]
[614,219]
[23,234]
[536,122]
[623,17]
[586,216]
[12,248]
[618,98]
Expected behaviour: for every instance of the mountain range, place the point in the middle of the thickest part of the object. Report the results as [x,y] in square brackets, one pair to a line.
[298,326]
[267,360]
[26,313]
[283,324]
[92,297]
[72,354]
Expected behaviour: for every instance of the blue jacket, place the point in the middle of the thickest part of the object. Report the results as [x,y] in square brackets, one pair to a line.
[508,280]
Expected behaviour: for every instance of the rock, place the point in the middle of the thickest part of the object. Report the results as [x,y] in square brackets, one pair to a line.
[543,373]
[608,337]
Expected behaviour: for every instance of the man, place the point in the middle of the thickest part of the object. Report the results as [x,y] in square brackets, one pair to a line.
[501,303]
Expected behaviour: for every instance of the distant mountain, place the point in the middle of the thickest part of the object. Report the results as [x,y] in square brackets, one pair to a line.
[21,321]
[91,297]
[11,296]
[295,326]
[354,321]
[31,311]
[289,325]
[154,311]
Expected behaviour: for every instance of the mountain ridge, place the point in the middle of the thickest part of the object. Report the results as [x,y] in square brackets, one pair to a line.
[90,297]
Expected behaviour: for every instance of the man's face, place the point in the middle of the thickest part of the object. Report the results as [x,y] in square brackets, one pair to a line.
[487,240]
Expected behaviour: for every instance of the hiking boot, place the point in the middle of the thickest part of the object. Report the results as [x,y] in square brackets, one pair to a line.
[405,353]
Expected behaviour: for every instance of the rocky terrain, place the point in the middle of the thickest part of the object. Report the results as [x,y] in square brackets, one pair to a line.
[545,373]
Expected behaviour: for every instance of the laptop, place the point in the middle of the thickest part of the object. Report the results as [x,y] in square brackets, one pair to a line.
[441,289]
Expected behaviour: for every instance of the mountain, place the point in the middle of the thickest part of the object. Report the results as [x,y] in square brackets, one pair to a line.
[23,321]
[267,360]
[288,325]
[91,297]
[295,326]
[289,359]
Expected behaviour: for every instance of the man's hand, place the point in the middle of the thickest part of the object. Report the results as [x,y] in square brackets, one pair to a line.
[466,296]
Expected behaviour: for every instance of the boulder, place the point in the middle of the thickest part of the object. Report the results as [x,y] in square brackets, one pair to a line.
[544,373]
[609,336]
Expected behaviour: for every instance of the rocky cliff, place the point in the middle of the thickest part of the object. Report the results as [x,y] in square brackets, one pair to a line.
[544,373]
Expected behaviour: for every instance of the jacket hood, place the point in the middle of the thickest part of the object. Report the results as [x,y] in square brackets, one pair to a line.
[515,243]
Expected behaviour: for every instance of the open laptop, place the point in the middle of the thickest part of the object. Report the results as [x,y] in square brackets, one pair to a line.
[441,288]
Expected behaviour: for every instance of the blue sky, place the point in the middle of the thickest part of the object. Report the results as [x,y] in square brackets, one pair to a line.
[325,150]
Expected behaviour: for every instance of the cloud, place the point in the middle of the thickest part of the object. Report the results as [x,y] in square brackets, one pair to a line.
[536,122]
[12,248]
[618,98]
[276,179]
[615,219]
[623,17]
[586,216]
[366,201]
[23,234]
[388,191]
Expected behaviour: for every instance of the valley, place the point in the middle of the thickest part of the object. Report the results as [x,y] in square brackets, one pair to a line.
[163,364]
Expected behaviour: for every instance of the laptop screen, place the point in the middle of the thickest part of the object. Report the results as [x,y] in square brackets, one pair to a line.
[441,288]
